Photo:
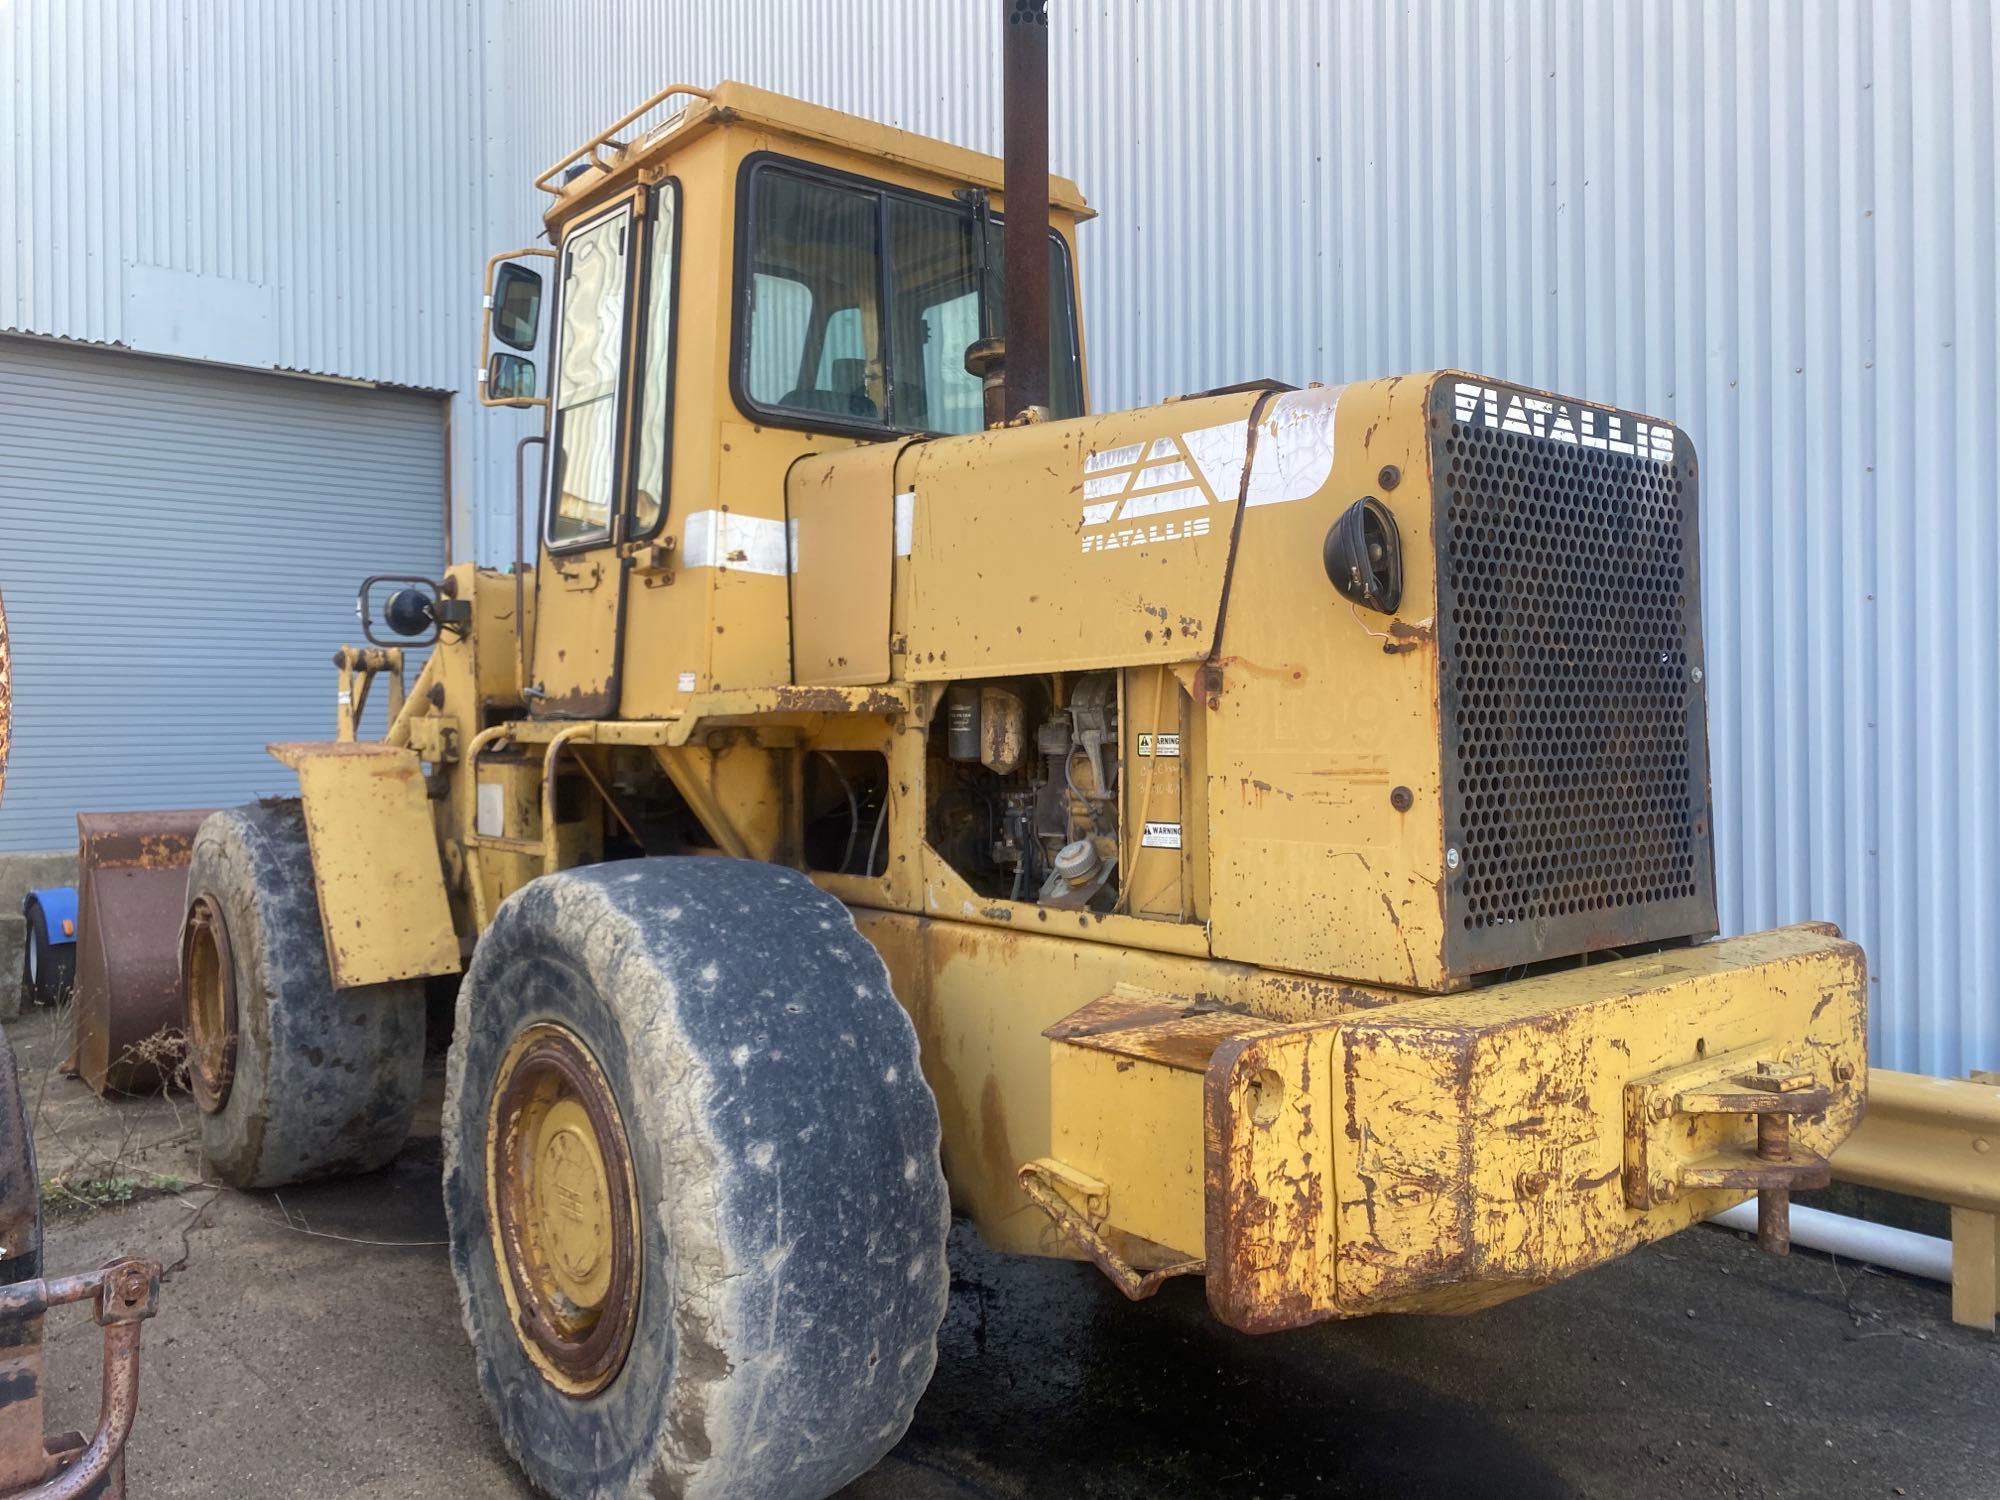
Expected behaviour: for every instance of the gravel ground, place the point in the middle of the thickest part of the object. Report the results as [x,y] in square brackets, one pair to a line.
[310,1348]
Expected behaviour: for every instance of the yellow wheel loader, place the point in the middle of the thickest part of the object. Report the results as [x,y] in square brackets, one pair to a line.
[1263,836]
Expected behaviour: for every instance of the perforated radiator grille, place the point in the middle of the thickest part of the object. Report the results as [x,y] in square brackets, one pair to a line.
[1569,636]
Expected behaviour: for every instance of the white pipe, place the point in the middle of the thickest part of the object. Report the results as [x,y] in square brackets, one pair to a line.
[1857,1239]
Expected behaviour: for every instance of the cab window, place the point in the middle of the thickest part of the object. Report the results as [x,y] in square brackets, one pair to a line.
[589,354]
[656,362]
[857,303]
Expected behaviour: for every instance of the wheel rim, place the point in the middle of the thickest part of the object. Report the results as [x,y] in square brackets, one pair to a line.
[561,1205]
[208,983]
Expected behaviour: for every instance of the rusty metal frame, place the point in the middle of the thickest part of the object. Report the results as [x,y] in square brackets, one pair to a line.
[125,1294]
[1939,1138]
[1040,1181]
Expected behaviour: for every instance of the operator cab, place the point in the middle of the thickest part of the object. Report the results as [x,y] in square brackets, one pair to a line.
[752,281]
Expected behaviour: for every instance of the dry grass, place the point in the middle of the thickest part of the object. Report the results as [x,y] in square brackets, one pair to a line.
[102,1153]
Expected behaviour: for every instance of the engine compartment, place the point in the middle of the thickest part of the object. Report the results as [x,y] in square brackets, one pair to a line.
[1023,785]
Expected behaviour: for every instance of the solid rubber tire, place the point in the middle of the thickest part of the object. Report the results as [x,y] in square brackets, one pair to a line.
[785,1152]
[325,1083]
[48,969]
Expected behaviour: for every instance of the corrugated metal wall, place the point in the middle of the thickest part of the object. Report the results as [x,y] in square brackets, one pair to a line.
[314,162]
[179,548]
[1773,222]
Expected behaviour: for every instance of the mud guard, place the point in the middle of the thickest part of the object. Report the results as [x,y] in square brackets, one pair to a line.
[375,862]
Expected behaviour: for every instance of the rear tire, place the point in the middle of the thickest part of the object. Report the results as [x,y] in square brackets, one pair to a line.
[319,1083]
[762,1316]
[48,969]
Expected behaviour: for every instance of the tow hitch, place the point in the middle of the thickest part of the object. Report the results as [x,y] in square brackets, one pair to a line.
[1664,1112]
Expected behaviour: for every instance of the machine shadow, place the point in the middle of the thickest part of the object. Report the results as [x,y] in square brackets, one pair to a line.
[1050,1383]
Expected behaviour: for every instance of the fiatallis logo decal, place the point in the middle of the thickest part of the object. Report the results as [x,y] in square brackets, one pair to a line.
[1562,421]
[1163,489]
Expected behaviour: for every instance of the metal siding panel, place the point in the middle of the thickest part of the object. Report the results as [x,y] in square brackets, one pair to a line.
[182,546]
[325,151]
[1772,223]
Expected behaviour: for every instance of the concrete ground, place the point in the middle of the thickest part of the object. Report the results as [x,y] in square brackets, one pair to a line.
[308,1346]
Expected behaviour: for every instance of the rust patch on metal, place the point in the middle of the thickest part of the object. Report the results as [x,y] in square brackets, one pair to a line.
[585,1346]
[124,1294]
[208,987]
[1182,1040]
[1263,1210]
[132,870]
[833,700]
[1077,1231]
[1403,636]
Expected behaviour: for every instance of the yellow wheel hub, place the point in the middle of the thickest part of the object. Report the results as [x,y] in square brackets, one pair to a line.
[562,1208]
[572,1204]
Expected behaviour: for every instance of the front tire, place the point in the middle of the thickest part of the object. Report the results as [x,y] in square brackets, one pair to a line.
[294,1080]
[696,1211]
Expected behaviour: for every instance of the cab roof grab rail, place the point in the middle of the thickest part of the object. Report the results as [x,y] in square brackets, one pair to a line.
[603,138]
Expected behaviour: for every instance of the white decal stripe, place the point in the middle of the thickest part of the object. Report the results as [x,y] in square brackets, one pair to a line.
[1113,458]
[1218,452]
[1105,484]
[1173,473]
[1162,501]
[906,521]
[1294,455]
[723,539]
[1098,514]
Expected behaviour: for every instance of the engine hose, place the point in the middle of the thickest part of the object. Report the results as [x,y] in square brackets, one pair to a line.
[853,811]
[1124,901]
[875,838]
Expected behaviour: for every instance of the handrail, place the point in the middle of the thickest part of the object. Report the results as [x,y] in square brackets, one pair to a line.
[603,138]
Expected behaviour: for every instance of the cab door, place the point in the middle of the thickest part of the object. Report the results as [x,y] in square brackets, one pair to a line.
[608,440]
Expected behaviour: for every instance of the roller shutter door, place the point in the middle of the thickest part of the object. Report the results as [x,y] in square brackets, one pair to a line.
[179,550]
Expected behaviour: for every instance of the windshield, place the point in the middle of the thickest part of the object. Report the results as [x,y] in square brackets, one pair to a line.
[859,303]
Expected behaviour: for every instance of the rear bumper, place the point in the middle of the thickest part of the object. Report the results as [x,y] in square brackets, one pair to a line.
[1446,1153]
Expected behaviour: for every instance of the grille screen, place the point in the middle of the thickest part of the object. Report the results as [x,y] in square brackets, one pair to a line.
[1569,628]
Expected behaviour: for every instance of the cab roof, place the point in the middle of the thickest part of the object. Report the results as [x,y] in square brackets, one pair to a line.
[604,155]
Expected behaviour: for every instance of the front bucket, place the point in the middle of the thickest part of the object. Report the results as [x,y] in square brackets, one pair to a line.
[132,869]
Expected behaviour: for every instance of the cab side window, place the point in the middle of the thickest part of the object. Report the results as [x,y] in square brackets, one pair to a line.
[814,293]
[858,302]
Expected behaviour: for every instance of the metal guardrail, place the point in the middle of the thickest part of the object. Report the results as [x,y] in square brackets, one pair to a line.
[1939,1138]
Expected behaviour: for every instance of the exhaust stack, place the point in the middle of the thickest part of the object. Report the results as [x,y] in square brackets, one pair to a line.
[1025,258]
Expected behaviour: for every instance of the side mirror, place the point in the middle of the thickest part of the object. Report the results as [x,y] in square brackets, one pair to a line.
[418,613]
[513,318]
[510,378]
[517,306]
